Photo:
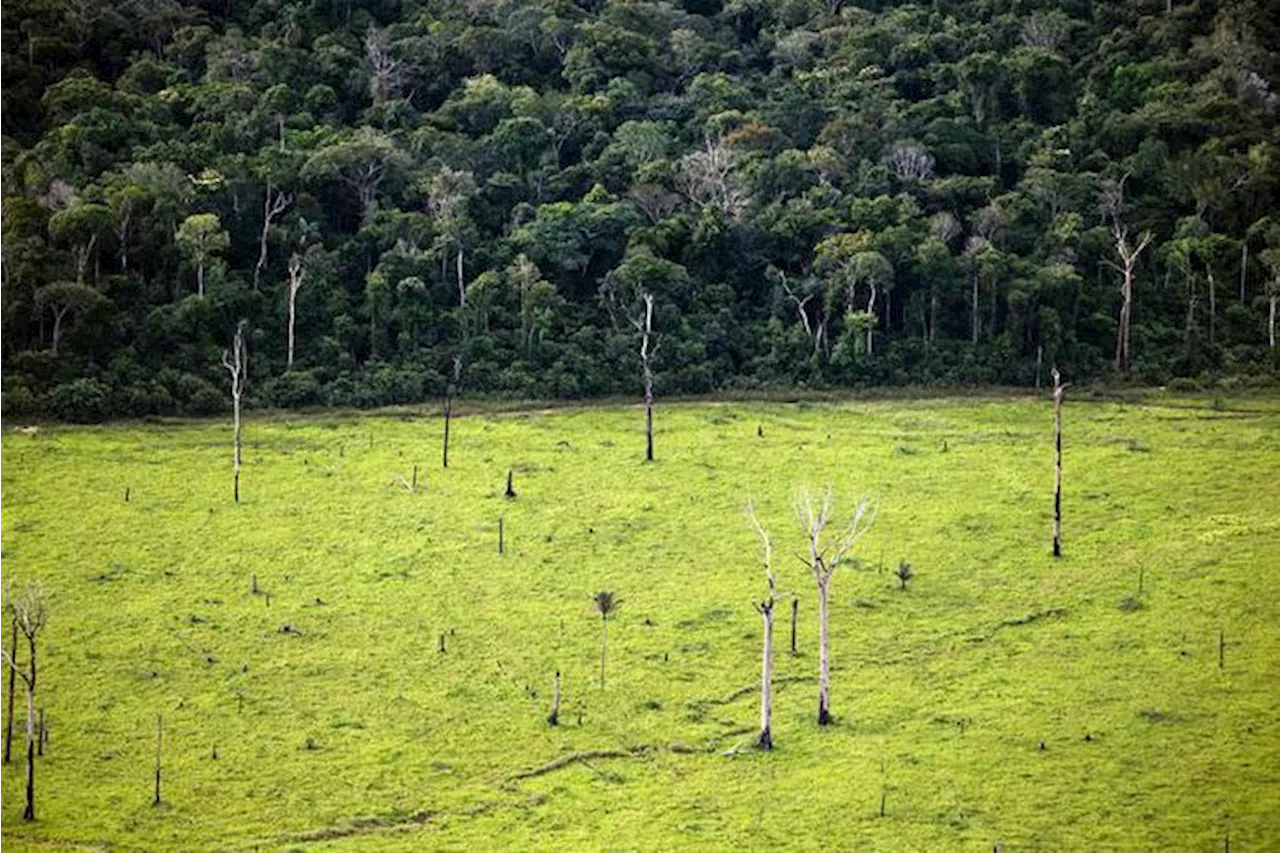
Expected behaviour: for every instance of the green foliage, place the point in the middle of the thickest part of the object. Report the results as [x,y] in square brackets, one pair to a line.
[704,144]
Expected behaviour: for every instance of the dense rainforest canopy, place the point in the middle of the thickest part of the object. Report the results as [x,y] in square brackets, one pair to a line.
[395,195]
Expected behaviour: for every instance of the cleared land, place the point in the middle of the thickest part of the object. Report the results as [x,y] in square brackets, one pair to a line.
[338,722]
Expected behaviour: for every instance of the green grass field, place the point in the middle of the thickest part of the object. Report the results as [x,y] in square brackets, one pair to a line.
[350,730]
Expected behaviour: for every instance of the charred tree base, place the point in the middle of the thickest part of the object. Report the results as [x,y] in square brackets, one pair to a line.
[766,740]
[824,717]
[236,487]
[1057,548]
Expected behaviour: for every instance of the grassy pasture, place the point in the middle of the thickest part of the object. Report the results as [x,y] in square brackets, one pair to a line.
[338,724]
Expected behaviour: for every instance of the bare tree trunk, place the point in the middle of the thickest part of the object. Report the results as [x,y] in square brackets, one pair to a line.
[200,279]
[159,753]
[13,672]
[795,614]
[1271,323]
[58,314]
[604,645]
[29,812]
[1213,305]
[1057,467]
[1244,266]
[273,206]
[824,657]
[554,717]
[766,679]
[646,362]
[871,324]
[933,315]
[234,362]
[448,415]
[976,321]
[462,285]
[297,274]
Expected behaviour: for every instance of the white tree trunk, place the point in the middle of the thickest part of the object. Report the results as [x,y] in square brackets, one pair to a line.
[871,323]
[766,680]
[976,321]
[1271,325]
[293,301]
[200,278]
[824,656]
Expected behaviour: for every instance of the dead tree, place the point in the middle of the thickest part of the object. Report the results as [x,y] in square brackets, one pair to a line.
[1113,208]
[825,556]
[1058,389]
[297,273]
[274,205]
[234,361]
[553,719]
[159,755]
[605,603]
[765,609]
[450,391]
[13,671]
[644,325]
[29,612]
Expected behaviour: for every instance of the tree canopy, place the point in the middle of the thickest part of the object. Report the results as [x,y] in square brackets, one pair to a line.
[818,193]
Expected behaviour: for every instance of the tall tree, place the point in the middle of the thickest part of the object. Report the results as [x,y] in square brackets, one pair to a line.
[201,238]
[1113,207]
[235,361]
[765,609]
[826,554]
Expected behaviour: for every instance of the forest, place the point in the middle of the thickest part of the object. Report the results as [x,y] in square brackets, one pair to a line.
[400,199]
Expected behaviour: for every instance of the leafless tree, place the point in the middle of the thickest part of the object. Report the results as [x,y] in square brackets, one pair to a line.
[644,325]
[765,609]
[974,247]
[386,72]
[275,204]
[802,300]
[1058,392]
[825,556]
[1271,257]
[27,607]
[910,162]
[654,201]
[235,361]
[707,177]
[450,392]
[13,672]
[297,273]
[1128,252]
[447,198]
[1044,30]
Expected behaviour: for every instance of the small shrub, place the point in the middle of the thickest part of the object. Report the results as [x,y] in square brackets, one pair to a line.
[904,573]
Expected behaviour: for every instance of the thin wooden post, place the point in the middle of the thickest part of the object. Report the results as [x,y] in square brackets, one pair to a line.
[553,719]
[415,478]
[795,614]
[1222,647]
[511,492]
[448,415]
[501,537]
[159,752]
[126,494]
